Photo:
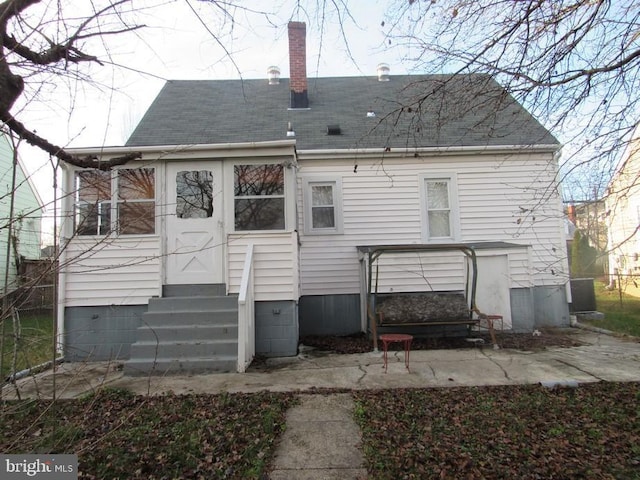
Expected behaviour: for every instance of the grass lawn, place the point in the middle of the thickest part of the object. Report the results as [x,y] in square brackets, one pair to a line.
[621,318]
[523,432]
[34,344]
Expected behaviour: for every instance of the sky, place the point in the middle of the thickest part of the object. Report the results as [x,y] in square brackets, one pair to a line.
[178,43]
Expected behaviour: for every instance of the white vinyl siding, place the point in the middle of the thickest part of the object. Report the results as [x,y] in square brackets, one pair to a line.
[622,207]
[499,198]
[115,271]
[275,264]
[431,271]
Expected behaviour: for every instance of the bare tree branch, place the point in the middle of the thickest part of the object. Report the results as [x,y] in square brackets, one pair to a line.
[47,54]
[575,64]
[90,161]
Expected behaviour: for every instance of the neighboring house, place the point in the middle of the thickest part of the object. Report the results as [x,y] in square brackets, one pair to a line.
[591,218]
[27,215]
[306,171]
[623,208]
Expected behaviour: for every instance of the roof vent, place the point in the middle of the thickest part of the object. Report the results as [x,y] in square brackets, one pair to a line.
[333,130]
[383,72]
[273,74]
[371,114]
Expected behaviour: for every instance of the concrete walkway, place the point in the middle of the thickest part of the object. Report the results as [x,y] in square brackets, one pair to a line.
[321,441]
[602,357]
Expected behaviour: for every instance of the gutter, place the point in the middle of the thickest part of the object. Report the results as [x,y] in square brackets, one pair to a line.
[177,149]
[431,151]
[62,255]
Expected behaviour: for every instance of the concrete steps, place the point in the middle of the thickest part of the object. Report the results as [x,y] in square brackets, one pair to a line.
[192,329]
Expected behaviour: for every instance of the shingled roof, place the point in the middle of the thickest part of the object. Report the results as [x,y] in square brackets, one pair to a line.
[410,111]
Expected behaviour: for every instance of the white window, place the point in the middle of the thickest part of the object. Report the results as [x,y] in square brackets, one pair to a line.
[92,202]
[439,207]
[132,212]
[136,201]
[323,206]
[259,194]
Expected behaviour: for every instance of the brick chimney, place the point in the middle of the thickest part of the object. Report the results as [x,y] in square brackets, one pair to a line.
[298,65]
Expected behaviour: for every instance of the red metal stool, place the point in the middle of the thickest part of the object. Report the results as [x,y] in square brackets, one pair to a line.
[388,338]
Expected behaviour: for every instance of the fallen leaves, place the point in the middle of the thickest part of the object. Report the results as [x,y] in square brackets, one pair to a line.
[360,343]
[524,432]
[118,435]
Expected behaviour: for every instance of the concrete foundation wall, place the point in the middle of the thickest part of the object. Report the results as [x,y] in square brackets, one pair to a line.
[539,307]
[329,314]
[276,328]
[101,332]
[107,332]
[552,309]
[531,308]
[522,310]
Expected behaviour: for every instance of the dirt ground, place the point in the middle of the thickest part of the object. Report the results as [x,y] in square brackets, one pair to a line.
[360,343]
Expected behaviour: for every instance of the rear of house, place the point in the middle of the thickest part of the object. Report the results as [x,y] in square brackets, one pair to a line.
[242,224]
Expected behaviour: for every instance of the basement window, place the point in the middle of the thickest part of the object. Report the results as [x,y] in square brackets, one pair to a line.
[259,197]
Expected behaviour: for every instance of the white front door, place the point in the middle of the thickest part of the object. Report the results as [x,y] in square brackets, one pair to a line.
[193,224]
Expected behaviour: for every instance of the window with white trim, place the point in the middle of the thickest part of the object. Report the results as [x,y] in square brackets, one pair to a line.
[132,212]
[439,202]
[323,206]
[136,203]
[259,196]
[92,202]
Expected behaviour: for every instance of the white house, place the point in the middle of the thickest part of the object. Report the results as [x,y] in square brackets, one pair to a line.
[623,214]
[295,178]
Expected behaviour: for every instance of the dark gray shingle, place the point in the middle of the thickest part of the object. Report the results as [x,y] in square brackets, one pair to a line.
[411,111]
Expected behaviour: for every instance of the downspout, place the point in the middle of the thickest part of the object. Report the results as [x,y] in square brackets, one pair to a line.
[60,255]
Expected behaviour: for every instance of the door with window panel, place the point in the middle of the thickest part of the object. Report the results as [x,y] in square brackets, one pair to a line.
[193,223]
